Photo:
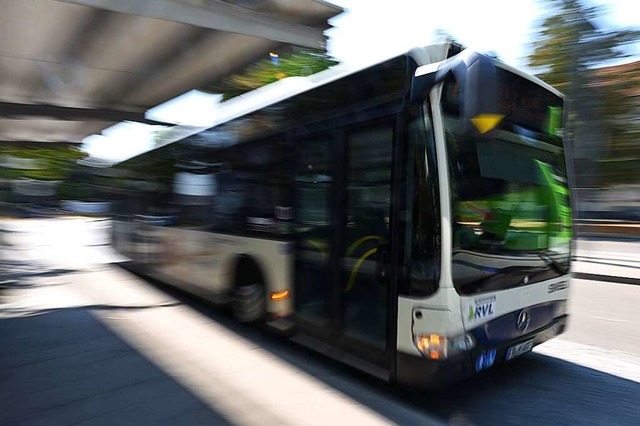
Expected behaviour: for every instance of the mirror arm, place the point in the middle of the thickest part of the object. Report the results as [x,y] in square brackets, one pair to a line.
[428,76]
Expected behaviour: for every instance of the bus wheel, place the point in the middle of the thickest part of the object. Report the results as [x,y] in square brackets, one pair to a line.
[248,303]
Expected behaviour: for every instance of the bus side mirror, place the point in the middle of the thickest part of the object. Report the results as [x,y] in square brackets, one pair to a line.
[479,101]
[476,80]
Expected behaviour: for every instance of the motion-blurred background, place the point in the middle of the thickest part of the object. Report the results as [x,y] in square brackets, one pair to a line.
[85,84]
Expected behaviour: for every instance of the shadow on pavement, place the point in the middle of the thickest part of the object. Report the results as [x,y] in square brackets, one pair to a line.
[61,366]
[65,367]
[24,312]
[20,270]
[533,390]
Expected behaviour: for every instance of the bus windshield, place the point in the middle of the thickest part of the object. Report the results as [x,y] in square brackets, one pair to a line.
[510,206]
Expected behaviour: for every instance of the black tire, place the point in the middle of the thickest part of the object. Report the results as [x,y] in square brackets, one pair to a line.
[248,304]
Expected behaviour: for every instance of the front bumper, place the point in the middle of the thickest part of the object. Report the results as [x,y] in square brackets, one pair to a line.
[417,371]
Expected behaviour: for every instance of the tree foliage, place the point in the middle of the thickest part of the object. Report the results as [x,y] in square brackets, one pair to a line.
[567,52]
[300,62]
[53,162]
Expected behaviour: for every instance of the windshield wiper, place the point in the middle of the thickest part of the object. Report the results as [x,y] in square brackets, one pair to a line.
[514,276]
[509,277]
[553,263]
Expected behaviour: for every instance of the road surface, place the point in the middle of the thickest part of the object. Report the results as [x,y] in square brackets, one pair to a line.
[85,342]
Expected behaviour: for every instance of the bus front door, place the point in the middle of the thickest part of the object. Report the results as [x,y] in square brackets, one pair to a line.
[366,239]
[315,235]
[342,204]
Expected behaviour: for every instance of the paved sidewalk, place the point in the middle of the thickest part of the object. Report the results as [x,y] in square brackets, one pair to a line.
[85,342]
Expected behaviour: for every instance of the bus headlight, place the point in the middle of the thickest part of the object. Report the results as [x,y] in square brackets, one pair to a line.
[438,347]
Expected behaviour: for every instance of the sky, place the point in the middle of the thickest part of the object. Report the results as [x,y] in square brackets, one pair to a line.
[372,30]
[382,28]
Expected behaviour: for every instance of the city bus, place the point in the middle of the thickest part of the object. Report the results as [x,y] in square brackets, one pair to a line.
[411,219]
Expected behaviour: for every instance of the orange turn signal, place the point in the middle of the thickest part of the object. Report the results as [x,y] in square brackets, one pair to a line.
[280,295]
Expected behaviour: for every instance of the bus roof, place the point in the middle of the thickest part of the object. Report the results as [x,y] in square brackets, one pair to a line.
[255,100]
[288,87]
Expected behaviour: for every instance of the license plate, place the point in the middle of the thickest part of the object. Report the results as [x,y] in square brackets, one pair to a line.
[519,349]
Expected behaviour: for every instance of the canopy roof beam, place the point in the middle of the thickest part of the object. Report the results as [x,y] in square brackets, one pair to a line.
[15,110]
[216,15]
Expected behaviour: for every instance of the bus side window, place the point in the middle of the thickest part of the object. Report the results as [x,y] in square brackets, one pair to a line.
[253,189]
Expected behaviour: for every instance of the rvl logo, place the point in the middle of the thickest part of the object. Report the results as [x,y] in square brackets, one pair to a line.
[482,308]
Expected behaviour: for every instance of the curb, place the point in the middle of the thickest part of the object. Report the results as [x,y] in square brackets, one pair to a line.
[606,278]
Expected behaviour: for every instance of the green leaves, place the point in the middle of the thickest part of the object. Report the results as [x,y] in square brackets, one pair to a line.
[299,63]
[569,52]
[51,162]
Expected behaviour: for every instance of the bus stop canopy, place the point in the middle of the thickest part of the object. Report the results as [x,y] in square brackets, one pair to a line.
[70,68]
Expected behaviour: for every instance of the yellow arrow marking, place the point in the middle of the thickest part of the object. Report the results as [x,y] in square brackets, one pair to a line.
[486,122]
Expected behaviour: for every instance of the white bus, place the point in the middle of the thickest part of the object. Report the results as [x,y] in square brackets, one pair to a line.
[411,218]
